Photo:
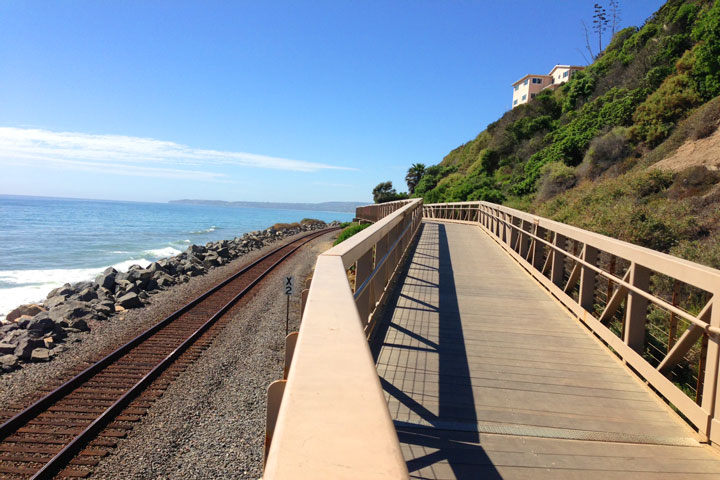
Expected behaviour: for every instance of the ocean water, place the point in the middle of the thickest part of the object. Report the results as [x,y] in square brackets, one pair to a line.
[46,242]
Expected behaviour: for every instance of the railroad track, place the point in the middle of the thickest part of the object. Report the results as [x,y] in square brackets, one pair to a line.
[65,432]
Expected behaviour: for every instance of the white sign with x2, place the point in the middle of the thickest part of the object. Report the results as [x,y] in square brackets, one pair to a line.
[289,285]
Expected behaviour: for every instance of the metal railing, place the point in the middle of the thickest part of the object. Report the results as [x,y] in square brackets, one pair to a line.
[373,213]
[654,310]
[330,419]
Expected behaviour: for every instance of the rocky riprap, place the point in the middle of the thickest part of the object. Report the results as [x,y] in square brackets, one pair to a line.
[38,332]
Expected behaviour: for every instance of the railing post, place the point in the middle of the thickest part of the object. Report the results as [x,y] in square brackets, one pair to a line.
[512,238]
[524,239]
[364,267]
[557,270]
[538,248]
[711,379]
[381,249]
[636,313]
[586,298]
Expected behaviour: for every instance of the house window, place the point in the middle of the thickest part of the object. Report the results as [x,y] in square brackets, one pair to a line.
[524,97]
[565,74]
[532,95]
[517,87]
[515,102]
[525,82]
[537,80]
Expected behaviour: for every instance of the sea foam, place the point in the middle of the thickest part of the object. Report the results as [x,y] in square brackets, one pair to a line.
[27,286]
[163,252]
[207,230]
[18,287]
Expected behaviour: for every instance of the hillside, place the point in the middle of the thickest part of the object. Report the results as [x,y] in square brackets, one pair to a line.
[626,148]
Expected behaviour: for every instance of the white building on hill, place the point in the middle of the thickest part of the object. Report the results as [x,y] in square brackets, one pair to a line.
[530,85]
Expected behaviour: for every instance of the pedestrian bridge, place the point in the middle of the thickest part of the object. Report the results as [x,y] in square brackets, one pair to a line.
[471,340]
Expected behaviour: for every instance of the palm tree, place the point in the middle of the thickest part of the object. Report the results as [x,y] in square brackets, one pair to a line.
[414,174]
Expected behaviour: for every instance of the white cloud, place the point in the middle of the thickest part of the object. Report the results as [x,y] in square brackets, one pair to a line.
[134,156]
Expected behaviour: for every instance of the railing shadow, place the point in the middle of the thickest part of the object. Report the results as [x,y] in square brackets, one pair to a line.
[451,434]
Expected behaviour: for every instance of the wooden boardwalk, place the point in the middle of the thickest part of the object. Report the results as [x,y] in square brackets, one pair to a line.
[487,376]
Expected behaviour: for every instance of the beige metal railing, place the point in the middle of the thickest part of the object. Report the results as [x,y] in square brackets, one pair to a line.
[332,419]
[654,310]
[373,213]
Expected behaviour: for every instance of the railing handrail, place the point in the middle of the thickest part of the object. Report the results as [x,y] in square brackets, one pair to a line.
[375,211]
[352,248]
[611,245]
[333,420]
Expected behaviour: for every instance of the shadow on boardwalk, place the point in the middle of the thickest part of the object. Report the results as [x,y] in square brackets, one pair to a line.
[433,441]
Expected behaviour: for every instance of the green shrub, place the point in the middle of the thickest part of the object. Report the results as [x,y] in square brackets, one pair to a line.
[526,127]
[285,226]
[706,122]
[555,178]
[649,182]
[693,181]
[705,251]
[604,152]
[656,116]
[581,86]
[657,75]
[349,231]
[489,160]
[311,221]
[706,68]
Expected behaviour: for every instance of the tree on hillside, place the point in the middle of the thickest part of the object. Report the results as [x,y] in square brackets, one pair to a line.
[600,22]
[414,174]
[614,16]
[587,44]
[384,192]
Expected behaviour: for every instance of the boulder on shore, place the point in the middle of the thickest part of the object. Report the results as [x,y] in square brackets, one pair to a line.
[107,278]
[40,355]
[64,290]
[8,362]
[55,301]
[69,311]
[41,323]
[129,300]
[30,309]
[26,346]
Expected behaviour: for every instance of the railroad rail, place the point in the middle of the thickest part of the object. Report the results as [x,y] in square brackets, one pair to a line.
[65,432]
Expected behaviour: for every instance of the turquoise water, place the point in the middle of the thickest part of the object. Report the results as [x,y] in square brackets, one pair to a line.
[46,242]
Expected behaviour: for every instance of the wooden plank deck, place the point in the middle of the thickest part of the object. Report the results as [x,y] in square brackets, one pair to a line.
[487,376]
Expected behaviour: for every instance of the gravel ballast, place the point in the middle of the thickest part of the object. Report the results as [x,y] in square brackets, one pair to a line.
[211,421]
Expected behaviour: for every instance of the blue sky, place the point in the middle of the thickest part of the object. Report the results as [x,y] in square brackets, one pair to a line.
[261,101]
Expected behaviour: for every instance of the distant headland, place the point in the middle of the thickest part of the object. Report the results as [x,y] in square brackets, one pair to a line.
[346,207]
